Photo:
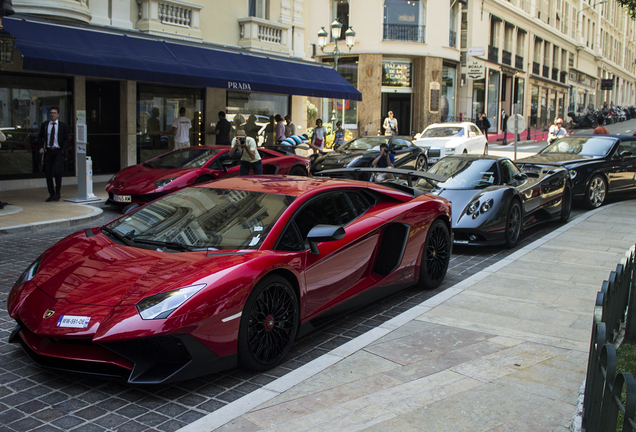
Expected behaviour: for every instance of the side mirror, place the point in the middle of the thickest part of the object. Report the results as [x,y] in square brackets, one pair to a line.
[324,233]
[626,153]
[521,177]
[472,134]
[397,147]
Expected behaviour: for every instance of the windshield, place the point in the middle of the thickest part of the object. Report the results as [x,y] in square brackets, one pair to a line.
[365,143]
[588,146]
[446,131]
[219,219]
[184,158]
[463,174]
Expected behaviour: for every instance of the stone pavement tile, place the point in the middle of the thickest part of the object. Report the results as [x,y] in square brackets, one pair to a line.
[238,425]
[476,410]
[445,360]
[283,412]
[555,416]
[396,425]
[507,361]
[431,343]
[417,394]
[407,329]
[353,368]
[546,374]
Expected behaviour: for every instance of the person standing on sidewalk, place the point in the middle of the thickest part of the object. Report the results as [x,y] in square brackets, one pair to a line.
[280,129]
[222,130]
[483,124]
[290,128]
[318,137]
[504,126]
[390,125]
[250,158]
[53,142]
[181,130]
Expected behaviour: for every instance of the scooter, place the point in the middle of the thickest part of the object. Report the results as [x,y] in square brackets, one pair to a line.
[586,121]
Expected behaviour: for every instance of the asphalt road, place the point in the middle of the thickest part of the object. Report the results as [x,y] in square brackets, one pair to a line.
[34,399]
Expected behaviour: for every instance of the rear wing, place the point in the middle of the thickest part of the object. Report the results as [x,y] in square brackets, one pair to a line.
[364,173]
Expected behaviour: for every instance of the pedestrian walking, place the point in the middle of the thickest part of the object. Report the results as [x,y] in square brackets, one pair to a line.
[181,130]
[280,129]
[601,129]
[504,126]
[339,138]
[390,124]
[318,137]
[53,142]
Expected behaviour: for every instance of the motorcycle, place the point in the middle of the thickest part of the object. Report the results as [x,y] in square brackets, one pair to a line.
[587,121]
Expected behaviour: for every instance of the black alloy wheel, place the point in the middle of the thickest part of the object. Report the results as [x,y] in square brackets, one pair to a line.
[596,191]
[435,256]
[421,164]
[566,203]
[269,324]
[298,171]
[513,224]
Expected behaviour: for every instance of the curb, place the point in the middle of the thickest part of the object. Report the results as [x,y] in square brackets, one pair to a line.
[57,223]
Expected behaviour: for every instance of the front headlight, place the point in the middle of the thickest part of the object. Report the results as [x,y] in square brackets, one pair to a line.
[486,206]
[572,174]
[161,305]
[163,182]
[449,151]
[30,272]
[353,161]
[472,208]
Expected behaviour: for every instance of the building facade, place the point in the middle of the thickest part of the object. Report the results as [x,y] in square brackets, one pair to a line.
[125,67]
[545,58]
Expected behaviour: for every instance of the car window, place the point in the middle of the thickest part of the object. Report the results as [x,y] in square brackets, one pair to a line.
[629,146]
[598,145]
[333,208]
[462,173]
[475,129]
[508,171]
[399,141]
[183,158]
[446,131]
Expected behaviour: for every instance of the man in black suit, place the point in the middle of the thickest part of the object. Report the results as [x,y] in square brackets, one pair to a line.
[53,142]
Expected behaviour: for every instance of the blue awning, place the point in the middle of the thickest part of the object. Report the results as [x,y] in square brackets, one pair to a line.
[98,53]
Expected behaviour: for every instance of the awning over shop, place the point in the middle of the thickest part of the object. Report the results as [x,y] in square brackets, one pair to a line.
[96,53]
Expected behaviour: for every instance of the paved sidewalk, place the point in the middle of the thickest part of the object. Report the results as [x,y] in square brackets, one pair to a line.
[28,210]
[504,350]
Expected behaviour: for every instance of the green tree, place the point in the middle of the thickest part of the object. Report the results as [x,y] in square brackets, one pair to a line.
[630,7]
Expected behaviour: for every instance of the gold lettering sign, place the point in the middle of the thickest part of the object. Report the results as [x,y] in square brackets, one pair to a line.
[396,73]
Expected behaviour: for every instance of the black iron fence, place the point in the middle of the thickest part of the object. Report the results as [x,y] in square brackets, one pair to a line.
[604,388]
[403,32]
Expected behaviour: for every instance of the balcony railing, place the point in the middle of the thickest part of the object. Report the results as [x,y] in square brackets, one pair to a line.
[402,32]
[263,35]
[536,68]
[518,62]
[174,18]
[555,74]
[546,71]
[452,39]
[493,54]
[506,57]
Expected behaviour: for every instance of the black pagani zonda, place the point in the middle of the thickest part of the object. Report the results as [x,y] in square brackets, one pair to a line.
[493,201]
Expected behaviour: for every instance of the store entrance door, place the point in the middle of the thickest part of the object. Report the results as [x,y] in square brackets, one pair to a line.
[102,122]
[400,104]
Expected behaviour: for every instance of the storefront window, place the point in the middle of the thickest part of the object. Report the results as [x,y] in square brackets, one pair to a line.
[447,104]
[343,108]
[479,97]
[534,105]
[254,112]
[519,95]
[404,20]
[543,120]
[493,100]
[24,105]
[157,107]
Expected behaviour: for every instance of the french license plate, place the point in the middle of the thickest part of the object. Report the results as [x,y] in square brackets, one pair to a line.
[121,198]
[73,321]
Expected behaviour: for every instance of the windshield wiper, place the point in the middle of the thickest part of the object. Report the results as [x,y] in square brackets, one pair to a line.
[171,245]
[124,238]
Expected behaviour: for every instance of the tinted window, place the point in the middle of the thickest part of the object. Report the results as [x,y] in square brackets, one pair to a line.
[629,146]
[475,129]
[185,158]
[463,173]
[589,146]
[334,208]
[446,131]
[508,171]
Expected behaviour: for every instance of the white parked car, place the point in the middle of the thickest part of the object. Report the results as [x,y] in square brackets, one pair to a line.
[445,139]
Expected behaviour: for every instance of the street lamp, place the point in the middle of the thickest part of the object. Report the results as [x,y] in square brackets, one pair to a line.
[6,40]
[350,40]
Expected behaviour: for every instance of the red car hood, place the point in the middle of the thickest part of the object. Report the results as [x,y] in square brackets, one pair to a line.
[96,271]
[139,178]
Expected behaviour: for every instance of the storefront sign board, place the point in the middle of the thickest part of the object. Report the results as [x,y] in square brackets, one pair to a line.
[476,69]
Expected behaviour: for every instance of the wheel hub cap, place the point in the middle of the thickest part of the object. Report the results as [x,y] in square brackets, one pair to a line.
[269,323]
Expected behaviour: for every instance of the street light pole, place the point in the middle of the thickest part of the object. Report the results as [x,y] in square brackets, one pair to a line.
[350,39]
